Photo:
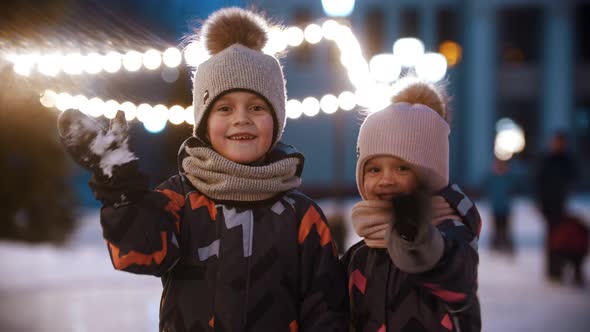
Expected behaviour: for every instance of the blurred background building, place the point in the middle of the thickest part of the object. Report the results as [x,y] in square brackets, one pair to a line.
[518,70]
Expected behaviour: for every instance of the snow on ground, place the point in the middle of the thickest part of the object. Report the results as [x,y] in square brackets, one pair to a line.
[74,287]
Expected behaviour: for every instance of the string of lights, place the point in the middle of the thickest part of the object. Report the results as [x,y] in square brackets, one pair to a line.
[371,79]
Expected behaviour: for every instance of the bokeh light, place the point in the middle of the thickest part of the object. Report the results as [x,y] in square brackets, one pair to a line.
[111,107]
[93,63]
[347,100]
[170,75]
[294,109]
[509,139]
[313,33]
[154,119]
[294,36]
[172,57]
[338,8]
[310,106]
[142,111]
[96,107]
[63,101]
[452,51]
[189,114]
[79,102]
[111,62]
[330,29]
[431,67]
[49,64]
[329,104]
[385,67]
[276,41]
[130,110]
[176,114]
[408,50]
[73,64]
[152,59]
[195,54]
[132,61]
[48,98]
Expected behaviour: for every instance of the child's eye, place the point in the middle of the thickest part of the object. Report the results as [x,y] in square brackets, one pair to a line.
[373,170]
[403,168]
[258,108]
[224,109]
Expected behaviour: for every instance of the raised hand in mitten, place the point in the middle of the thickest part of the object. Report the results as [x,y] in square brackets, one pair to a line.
[411,212]
[93,146]
[421,244]
[116,178]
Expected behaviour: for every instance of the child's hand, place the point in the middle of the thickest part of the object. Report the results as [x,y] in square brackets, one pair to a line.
[410,213]
[93,146]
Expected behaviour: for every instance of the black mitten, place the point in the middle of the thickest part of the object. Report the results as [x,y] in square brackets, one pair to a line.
[105,152]
[411,212]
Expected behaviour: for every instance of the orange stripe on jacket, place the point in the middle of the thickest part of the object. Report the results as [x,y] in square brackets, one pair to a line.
[313,217]
[174,205]
[134,257]
[197,200]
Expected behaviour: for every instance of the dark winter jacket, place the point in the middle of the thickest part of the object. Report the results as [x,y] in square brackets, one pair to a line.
[384,298]
[231,266]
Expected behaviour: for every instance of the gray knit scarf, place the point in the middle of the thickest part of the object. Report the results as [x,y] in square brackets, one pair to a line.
[223,179]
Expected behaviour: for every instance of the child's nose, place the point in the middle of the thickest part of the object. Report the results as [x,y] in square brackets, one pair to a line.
[388,179]
[241,116]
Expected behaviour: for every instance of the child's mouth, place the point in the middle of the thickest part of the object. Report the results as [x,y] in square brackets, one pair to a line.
[387,197]
[242,137]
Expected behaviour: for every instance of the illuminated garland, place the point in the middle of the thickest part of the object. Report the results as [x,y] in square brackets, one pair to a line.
[370,79]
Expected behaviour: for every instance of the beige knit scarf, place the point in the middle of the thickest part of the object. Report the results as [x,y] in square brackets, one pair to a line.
[223,179]
[372,218]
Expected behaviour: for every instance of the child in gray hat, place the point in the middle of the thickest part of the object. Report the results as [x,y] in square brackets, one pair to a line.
[416,267]
[238,248]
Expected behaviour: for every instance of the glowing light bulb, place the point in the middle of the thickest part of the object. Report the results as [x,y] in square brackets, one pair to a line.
[172,57]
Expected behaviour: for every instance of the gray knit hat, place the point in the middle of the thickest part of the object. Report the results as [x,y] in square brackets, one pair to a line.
[235,38]
[410,131]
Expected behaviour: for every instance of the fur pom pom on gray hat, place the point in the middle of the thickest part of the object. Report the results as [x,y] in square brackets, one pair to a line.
[413,128]
[235,38]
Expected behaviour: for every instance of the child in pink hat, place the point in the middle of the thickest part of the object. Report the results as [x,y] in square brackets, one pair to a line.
[416,267]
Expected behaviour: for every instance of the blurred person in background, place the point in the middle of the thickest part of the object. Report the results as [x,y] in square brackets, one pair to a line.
[553,183]
[500,186]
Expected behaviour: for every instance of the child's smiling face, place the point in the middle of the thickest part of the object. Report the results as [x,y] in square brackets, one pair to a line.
[240,126]
[385,177]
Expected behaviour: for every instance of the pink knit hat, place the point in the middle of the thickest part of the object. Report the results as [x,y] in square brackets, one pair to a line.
[413,132]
